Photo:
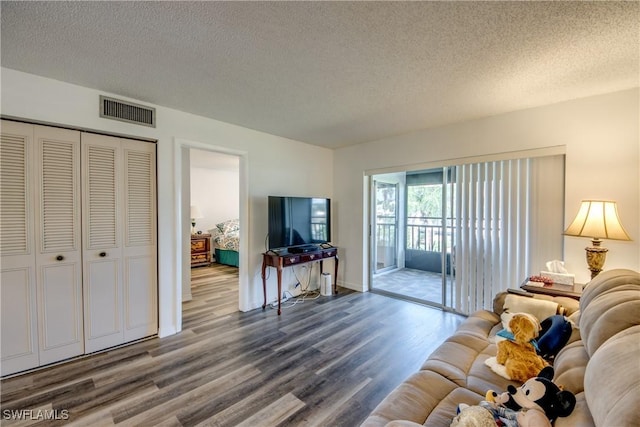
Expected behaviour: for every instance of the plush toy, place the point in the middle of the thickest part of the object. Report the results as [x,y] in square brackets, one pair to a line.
[473,416]
[516,358]
[555,332]
[537,403]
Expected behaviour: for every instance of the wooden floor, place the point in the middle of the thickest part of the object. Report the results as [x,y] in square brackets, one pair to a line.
[324,362]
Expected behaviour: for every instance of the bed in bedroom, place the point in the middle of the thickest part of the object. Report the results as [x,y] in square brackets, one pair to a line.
[225,242]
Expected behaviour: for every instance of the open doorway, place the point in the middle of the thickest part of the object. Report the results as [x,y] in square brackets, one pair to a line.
[213,199]
[214,203]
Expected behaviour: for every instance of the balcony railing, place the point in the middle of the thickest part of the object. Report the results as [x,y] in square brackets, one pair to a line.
[426,233]
[423,233]
[385,231]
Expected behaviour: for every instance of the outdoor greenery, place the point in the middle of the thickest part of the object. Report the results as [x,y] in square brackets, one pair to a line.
[424,201]
[423,216]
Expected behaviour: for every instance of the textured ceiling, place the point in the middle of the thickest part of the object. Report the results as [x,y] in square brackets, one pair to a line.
[331,73]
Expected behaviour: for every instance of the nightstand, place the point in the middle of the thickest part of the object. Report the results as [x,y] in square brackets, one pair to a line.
[200,249]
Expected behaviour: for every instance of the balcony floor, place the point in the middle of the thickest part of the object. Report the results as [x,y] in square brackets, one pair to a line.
[418,284]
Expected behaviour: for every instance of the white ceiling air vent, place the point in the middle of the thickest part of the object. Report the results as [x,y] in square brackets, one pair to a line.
[116,109]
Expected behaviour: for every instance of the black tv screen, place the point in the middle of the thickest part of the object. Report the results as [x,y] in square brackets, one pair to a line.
[298,221]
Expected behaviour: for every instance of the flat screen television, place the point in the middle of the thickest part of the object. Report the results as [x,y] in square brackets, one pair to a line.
[298,221]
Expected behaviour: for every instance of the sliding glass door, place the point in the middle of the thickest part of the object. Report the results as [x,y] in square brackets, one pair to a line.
[422,226]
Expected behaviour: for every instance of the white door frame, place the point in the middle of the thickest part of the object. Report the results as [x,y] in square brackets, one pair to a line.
[374,221]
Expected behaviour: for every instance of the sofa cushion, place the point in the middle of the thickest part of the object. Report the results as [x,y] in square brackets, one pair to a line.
[612,380]
[402,423]
[580,417]
[413,400]
[452,360]
[569,367]
[606,281]
[443,414]
[610,304]
[479,324]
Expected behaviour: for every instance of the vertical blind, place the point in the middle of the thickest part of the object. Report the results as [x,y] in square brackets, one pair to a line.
[500,217]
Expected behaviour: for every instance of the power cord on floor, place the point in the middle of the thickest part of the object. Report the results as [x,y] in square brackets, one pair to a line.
[288,300]
[305,293]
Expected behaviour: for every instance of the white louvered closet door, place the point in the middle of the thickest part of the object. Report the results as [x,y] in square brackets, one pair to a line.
[139,248]
[17,249]
[59,255]
[102,243]
[78,263]
[119,240]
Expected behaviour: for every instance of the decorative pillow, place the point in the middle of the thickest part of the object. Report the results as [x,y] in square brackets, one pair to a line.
[230,225]
[541,309]
[215,233]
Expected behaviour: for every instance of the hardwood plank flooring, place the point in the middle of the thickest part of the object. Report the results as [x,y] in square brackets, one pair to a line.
[324,362]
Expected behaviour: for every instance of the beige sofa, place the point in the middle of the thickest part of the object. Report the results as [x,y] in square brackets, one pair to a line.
[600,364]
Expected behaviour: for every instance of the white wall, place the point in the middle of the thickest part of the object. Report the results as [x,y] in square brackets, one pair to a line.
[215,188]
[273,165]
[602,161]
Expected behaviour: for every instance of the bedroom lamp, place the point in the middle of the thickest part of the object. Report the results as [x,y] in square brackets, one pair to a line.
[597,219]
[195,214]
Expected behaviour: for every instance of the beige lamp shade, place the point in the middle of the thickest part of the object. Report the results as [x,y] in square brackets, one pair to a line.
[597,219]
[195,212]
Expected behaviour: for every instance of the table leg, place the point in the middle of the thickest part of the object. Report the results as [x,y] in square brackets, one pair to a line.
[279,289]
[335,281]
[264,283]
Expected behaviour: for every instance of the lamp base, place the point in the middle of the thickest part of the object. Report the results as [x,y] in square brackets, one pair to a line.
[596,256]
[193,227]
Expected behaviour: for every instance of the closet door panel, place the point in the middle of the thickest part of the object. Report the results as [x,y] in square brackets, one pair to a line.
[103,301]
[101,231]
[139,251]
[19,328]
[60,312]
[19,320]
[140,298]
[58,260]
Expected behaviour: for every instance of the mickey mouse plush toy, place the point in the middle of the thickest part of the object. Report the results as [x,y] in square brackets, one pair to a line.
[538,401]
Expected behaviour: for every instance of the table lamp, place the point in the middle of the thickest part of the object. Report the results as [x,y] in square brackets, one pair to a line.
[597,219]
[195,214]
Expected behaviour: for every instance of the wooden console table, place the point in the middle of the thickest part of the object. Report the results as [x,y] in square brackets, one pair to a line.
[280,260]
[552,290]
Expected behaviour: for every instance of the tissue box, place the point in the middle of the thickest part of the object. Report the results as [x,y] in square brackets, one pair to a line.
[559,278]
